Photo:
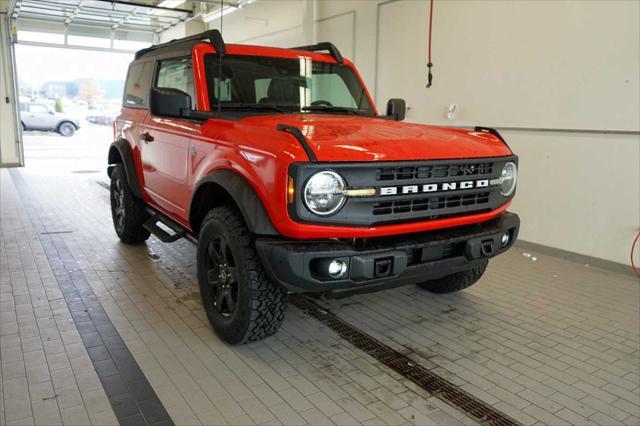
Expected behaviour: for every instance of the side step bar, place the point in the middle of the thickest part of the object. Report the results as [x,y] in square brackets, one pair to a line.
[151,225]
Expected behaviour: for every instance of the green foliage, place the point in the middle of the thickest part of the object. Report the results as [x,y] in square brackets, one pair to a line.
[58,106]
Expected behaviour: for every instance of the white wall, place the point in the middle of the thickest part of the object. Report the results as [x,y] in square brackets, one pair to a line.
[560,78]
[9,149]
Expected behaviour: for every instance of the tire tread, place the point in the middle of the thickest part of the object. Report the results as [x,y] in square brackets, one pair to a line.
[268,300]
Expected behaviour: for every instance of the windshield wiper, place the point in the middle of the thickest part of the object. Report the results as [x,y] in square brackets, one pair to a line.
[266,107]
[326,108]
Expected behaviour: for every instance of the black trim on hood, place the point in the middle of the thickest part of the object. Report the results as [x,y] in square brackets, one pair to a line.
[295,132]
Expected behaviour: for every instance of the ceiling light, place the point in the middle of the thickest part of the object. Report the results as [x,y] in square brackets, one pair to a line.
[170,3]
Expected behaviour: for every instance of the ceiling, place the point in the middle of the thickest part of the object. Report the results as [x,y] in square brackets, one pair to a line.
[97,14]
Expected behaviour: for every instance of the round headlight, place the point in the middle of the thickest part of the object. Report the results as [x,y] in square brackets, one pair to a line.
[509,178]
[324,193]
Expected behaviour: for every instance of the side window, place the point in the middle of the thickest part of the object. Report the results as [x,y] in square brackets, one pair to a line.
[136,89]
[38,109]
[177,74]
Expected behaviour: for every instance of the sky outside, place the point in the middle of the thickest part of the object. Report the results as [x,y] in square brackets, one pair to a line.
[37,65]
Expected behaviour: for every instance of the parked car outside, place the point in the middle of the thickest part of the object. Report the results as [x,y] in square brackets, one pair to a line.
[38,116]
[102,117]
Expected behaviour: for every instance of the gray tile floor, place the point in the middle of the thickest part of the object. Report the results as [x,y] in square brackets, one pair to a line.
[546,342]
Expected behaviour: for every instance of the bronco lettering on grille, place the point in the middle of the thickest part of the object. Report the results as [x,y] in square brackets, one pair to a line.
[434,187]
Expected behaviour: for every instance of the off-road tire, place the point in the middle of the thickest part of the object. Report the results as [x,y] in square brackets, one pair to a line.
[66,129]
[455,282]
[261,303]
[129,230]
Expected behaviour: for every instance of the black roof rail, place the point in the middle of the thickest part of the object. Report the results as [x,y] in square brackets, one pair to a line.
[333,50]
[214,37]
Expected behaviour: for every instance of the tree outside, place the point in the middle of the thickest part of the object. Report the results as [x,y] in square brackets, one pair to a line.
[91,92]
[58,106]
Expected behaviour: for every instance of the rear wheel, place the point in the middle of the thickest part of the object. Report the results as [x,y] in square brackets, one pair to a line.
[455,282]
[241,302]
[66,129]
[127,211]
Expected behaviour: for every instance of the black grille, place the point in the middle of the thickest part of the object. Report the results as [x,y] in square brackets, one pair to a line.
[430,203]
[435,171]
[405,190]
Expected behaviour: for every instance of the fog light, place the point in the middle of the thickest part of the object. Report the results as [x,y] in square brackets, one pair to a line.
[337,269]
[505,239]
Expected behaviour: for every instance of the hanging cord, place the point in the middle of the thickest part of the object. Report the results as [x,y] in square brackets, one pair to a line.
[220,60]
[633,248]
[430,64]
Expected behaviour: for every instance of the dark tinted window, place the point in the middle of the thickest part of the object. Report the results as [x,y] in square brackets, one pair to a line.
[289,84]
[136,89]
[177,74]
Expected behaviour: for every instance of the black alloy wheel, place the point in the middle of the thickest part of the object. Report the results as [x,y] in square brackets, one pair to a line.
[222,276]
[241,302]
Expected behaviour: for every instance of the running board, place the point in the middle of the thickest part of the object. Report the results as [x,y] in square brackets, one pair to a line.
[151,225]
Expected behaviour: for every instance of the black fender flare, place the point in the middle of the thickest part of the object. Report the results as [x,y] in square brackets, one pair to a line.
[244,196]
[122,149]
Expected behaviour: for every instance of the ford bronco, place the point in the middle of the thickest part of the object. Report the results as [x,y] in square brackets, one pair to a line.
[276,163]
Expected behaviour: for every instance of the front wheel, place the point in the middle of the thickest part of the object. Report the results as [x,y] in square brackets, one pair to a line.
[127,211]
[241,302]
[455,282]
[66,129]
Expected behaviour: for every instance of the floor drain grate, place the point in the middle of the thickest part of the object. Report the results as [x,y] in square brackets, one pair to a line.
[436,385]
[105,185]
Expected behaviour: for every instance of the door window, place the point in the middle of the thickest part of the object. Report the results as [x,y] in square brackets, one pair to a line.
[38,109]
[136,89]
[177,74]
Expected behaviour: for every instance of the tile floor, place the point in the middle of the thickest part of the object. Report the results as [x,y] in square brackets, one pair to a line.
[546,342]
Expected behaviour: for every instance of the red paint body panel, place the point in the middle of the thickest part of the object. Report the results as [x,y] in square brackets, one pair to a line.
[168,170]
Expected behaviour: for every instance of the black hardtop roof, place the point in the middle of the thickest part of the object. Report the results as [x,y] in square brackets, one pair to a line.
[215,38]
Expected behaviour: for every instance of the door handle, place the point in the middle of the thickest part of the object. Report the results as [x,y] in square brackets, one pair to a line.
[146,137]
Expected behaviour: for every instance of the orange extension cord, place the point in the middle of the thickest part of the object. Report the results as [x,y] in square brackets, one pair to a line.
[633,248]
[430,64]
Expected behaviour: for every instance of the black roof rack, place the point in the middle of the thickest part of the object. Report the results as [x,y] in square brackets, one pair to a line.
[214,37]
[333,50]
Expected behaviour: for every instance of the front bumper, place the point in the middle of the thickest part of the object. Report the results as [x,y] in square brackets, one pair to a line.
[386,262]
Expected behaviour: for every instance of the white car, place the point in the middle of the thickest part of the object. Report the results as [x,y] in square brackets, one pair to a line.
[36,116]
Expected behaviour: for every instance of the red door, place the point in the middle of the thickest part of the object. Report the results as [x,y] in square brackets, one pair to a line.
[164,147]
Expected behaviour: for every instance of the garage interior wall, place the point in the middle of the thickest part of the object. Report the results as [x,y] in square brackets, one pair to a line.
[9,136]
[557,78]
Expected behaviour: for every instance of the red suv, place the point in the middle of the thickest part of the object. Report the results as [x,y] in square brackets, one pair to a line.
[276,163]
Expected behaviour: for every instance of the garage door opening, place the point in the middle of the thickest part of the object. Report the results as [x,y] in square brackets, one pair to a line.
[68,100]
[71,59]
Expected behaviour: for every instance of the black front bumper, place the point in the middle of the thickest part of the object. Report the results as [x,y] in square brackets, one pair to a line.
[387,262]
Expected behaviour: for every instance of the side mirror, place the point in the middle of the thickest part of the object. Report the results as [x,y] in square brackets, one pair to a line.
[169,102]
[396,109]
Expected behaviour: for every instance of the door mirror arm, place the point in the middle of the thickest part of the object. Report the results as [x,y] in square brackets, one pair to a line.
[396,109]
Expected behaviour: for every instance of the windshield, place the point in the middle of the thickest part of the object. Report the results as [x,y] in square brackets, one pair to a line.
[286,85]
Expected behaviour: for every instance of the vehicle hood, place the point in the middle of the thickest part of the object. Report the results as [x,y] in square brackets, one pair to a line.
[350,138]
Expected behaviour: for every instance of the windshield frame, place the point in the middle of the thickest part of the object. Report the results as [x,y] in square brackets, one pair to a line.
[204,103]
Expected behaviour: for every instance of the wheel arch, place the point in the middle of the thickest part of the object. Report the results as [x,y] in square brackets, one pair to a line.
[224,187]
[120,153]
[66,121]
